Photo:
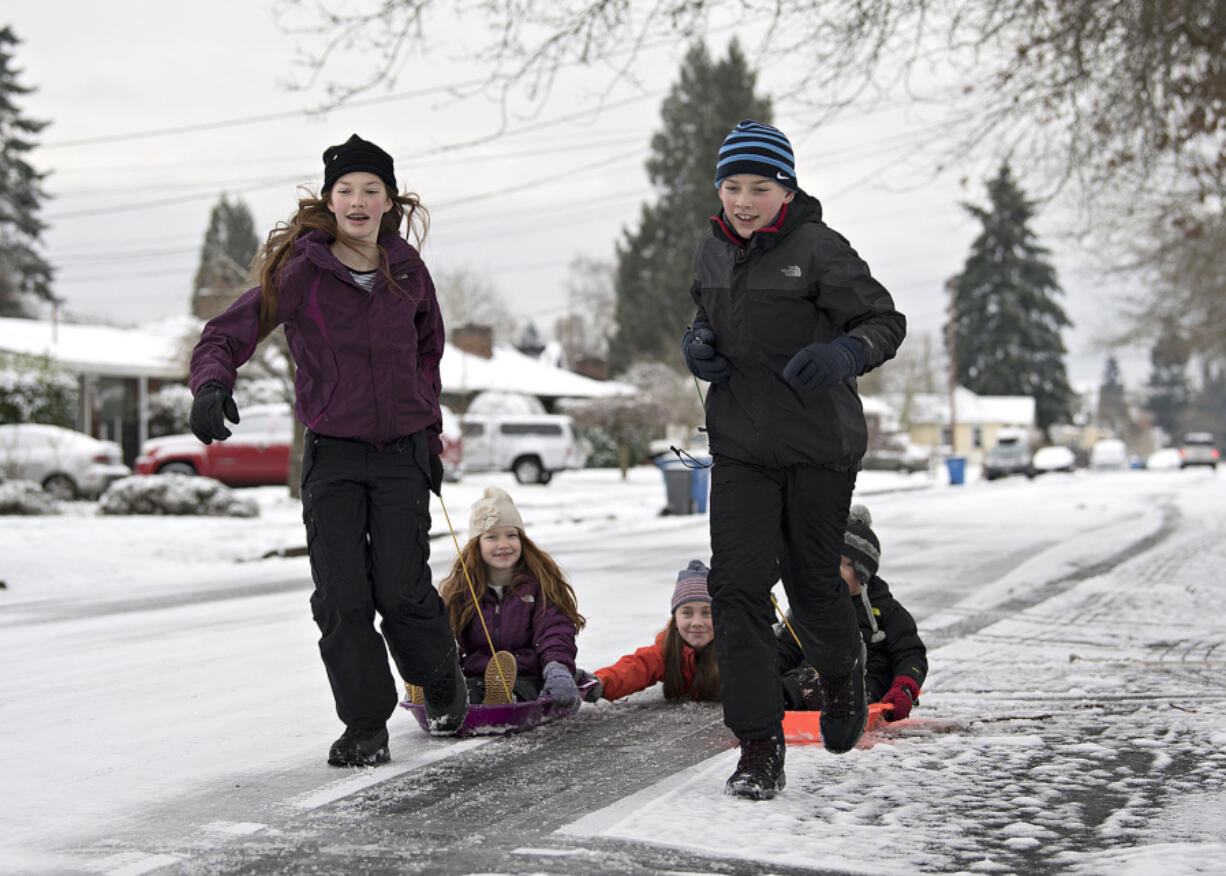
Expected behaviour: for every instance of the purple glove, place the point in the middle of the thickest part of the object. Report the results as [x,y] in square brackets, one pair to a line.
[901,695]
[818,367]
[560,684]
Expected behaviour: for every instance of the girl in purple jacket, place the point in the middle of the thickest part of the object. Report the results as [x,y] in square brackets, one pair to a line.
[363,327]
[527,607]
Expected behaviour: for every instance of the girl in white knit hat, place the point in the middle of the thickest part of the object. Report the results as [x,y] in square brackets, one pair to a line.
[528,609]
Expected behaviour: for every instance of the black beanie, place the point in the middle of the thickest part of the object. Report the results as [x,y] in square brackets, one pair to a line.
[357,155]
[860,544]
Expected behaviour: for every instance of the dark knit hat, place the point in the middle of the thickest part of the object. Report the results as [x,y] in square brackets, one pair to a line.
[357,155]
[860,544]
[760,149]
[691,585]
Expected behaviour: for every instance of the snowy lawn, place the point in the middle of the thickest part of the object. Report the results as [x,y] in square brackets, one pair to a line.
[161,679]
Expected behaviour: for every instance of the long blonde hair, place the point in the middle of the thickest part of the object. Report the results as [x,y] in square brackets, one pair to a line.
[706,667]
[312,215]
[532,561]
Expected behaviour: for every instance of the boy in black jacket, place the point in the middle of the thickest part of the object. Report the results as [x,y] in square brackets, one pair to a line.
[897,658]
[787,316]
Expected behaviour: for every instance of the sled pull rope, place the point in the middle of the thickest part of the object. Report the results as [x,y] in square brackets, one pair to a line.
[784,617]
[472,591]
[687,460]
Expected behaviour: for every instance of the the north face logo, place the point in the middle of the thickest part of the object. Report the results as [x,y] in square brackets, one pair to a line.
[791,271]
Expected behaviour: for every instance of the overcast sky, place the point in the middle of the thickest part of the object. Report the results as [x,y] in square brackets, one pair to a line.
[158,108]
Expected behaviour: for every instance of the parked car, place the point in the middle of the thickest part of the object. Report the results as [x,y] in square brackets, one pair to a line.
[1010,456]
[1108,453]
[1198,448]
[1053,458]
[256,454]
[68,464]
[897,456]
[531,446]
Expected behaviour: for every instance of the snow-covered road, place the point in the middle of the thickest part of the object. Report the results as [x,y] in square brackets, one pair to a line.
[162,704]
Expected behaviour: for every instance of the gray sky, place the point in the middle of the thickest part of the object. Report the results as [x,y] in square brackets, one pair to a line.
[159,108]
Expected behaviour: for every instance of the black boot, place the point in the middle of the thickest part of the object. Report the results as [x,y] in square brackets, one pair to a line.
[358,747]
[845,708]
[446,703]
[759,772]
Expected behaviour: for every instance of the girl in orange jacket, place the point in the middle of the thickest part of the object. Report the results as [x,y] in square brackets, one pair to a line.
[683,655]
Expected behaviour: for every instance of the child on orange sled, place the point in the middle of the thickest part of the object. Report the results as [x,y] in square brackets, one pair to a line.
[897,658]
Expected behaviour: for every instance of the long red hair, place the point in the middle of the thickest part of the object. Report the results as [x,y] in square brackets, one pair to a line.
[555,589]
[313,214]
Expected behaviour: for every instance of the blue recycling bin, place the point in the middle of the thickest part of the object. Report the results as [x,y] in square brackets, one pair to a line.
[957,469]
[685,488]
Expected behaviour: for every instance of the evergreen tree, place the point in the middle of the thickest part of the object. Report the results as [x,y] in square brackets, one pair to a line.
[1112,406]
[1168,381]
[655,263]
[1006,320]
[229,245]
[23,271]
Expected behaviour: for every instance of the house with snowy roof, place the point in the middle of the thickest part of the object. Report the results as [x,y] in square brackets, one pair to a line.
[966,422]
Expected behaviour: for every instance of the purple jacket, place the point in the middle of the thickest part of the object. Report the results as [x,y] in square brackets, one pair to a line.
[520,624]
[367,362]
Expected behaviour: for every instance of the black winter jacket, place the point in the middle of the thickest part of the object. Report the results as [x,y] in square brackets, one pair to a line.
[901,653]
[791,284]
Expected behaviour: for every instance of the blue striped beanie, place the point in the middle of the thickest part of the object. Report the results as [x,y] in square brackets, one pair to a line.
[760,149]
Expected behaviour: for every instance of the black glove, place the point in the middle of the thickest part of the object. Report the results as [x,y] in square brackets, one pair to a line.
[595,691]
[211,402]
[436,475]
[818,366]
[698,348]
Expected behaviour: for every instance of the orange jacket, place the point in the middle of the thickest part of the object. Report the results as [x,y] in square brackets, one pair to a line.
[642,669]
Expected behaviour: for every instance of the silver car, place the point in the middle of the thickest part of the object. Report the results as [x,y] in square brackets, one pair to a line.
[68,464]
[1198,449]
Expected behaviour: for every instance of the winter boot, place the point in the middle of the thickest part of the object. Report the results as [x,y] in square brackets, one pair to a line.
[845,709]
[358,747]
[759,772]
[500,679]
[446,703]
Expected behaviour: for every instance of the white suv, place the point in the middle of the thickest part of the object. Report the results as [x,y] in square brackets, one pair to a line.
[532,446]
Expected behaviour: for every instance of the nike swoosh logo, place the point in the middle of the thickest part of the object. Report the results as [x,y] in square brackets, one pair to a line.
[781,175]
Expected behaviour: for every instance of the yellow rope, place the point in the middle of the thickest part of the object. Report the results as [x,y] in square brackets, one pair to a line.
[472,591]
[786,624]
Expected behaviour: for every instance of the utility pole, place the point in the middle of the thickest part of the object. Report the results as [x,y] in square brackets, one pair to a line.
[951,349]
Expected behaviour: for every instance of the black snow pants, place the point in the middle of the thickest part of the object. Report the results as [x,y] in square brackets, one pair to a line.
[367,517]
[767,523]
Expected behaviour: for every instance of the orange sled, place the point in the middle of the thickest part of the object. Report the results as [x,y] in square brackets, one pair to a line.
[803,726]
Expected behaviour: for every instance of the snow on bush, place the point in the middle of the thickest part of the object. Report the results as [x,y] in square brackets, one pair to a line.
[170,410]
[35,389]
[26,497]
[175,494]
